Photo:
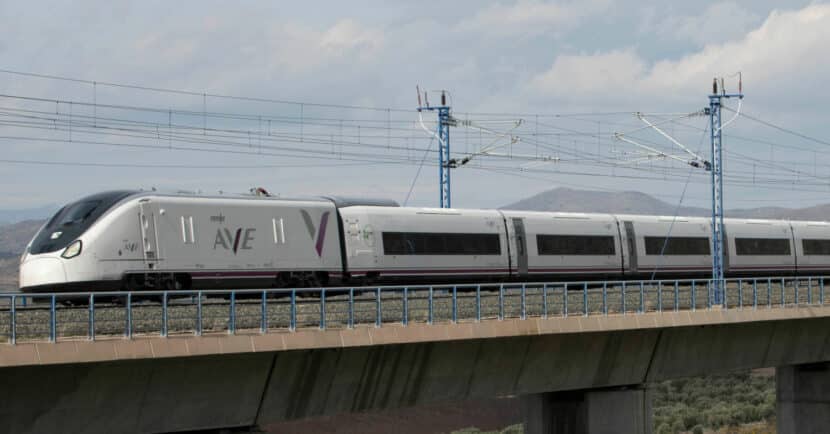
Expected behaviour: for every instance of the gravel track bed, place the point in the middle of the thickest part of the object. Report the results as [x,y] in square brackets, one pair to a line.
[32,322]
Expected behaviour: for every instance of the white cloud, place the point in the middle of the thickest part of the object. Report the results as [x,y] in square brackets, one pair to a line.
[531,17]
[719,22]
[786,54]
[347,35]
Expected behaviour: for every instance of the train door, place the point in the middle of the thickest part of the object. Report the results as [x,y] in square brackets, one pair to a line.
[632,246]
[149,232]
[521,246]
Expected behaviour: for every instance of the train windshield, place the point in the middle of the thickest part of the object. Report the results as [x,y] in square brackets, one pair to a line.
[73,220]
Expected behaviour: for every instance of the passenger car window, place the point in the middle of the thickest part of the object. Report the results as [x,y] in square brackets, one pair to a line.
[762,246]
[677,246]
[575,244]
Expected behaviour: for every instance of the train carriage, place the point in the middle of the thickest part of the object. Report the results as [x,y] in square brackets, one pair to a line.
[416,243]
[812,247]
[755,247]
[687,251]
[567,244]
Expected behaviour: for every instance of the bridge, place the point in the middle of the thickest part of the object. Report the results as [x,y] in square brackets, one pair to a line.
[580,354]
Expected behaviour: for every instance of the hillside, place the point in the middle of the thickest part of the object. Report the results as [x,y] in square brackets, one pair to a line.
[13,239]
[632,202]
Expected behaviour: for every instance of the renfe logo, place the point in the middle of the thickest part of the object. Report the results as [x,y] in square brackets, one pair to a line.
[231,241]
[321,230]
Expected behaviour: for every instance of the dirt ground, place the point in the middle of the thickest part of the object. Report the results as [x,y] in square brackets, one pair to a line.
[494,414]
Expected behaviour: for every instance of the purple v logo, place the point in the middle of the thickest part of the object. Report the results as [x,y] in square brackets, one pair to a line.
[321,230]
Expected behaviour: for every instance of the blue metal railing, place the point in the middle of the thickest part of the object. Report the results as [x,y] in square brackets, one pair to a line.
[162,313]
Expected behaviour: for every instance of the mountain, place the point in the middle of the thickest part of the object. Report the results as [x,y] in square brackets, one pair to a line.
[18,215]
[13,239]
[632,202]
[629,202]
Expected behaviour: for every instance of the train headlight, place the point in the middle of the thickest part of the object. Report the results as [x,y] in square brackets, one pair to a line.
[72,251]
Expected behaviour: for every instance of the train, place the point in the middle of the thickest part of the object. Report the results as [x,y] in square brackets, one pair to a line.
[134,240]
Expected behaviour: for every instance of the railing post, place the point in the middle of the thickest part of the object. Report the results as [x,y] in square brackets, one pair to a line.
[605,298]
[478,302]
[292,314]
[724,284]
[13,321]
[263,312]
[709,299]
[795,287]
[53,335]
[769,292]
[693,300]
[565,300]
[755,293]
[821,291]
[741,293]
[524,305]
[676,295]
[501,301]
[622,299]
[783,293]
[322,308]
[454,304]
[378,312]
[429,305]
[91,317]
[659,296]
[809,290]
[585,299]
[164,314]
[232,314]
[128,333]
[199,313]
[405,313]
[544,300]
[351,308]
[642,297]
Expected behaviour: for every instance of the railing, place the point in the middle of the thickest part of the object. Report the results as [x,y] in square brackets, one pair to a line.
[90,315]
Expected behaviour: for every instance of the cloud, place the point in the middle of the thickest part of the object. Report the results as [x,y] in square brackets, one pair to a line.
[719,22]
[348,35]
[530,17]
[784,55]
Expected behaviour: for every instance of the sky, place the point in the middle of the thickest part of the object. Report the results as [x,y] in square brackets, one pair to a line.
[539,89]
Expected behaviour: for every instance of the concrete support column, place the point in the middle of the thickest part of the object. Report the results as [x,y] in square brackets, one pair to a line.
[803,398]
[598,411]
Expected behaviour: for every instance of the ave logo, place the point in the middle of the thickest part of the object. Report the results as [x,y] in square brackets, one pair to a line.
[241,239]
[318,235]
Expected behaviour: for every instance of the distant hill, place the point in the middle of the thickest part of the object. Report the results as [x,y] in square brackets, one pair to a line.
[632,202]
[13,239]
[629,202]
[18,215]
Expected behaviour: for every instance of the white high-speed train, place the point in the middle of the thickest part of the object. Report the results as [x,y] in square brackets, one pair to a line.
[136,240]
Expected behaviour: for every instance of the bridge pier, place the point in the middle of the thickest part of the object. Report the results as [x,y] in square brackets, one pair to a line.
[588,411]
[803,398]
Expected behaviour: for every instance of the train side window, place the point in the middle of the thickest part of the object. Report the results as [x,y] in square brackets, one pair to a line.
[428,243]
[816,247]
[575,245]
[677,246]
[762,246]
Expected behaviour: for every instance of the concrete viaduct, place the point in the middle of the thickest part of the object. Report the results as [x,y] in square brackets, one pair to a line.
[579,374]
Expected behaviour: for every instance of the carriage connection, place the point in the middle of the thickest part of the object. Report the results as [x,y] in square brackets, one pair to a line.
[135,240]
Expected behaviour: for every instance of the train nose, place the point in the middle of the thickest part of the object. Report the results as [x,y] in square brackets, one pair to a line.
[41,271]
